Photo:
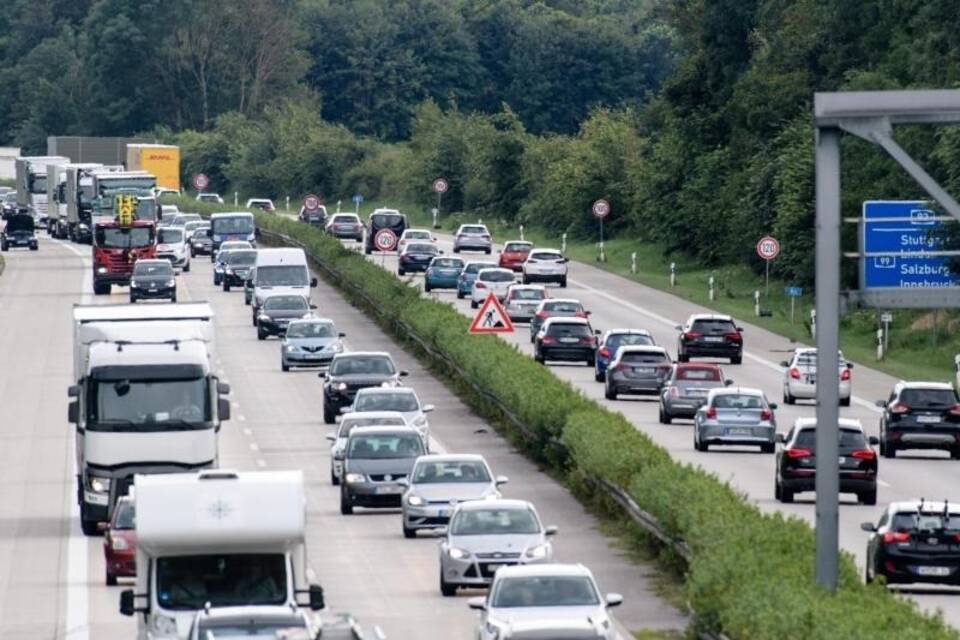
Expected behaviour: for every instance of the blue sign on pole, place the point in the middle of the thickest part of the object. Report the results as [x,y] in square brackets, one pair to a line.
[358,199]
[793,292]
[903,227]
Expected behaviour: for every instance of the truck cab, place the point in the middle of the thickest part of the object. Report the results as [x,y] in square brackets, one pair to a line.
[116,247]
[217,539]
[238,225]
[31,175]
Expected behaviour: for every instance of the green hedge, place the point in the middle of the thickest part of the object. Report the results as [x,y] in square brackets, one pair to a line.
[751,574]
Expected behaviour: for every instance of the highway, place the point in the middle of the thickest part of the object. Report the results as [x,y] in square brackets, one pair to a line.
[617,302]
[52,577]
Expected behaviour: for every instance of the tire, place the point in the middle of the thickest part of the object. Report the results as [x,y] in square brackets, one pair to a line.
[173,298]
[869,498]
[474,304]
[334,480]
[599,377]
[664,417]
[682,357]
[539,358]
[34,247]
[456,250]
[786,496]
[367,250]
[788,399]
[426,286]
[955,453]
[701,446]
[217,281]
[346,508]
[133,299]
[890,451]
[284,366]
[592,362]
[487,252]
[89,527]
[609,393]
[226,286]
[736,360]
[460,295]
[446,589]
[776,490]
[261,334]
[111,580]
[246,299]
[329,417]
[409,533]
[563,282]
[186,267]
[844,402]
[3,246]
[767,448]
[253,319]
[101,289]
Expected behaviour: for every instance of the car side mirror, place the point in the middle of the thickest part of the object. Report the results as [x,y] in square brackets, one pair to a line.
[773,405]
[478,603]
[332,437]
[427,408]
[313,282]
[316,602]
[73,391]
[127,606]
[849,365]
[404,374]
[678,327]
[868,526]
[780,438]
[874,440]
[740,329]
[209,233]
[502,480]
[784,364]
[323,374]
[73,412]
[223,388]
[552,530]
[728,382]
[881,403]
[597,332]
[223,409]
[341,335]
[313,306]
[441,252]
[614,599]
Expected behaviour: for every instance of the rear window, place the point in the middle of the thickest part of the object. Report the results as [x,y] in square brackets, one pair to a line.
[738,401]
[448,263]
[517,247]
[497,276]
[926,521]
[546,255]
[527,294]
[928,398]
[423,248]
[241,257]
[562,307]
[616,341]
[343,219]
[285,302]
[569,329]
[362,365]
[809,359]
[386,219]
[474,230]
[385,446]
[698,373]
[644,358]
[849,439]
[474,267]
[713,326]
[167,235]
[152,269]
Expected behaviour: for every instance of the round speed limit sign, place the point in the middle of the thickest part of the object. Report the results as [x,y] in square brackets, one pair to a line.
[600,209]
[201,181]
[768,248]
[311,202]
[385,240]
[440,185]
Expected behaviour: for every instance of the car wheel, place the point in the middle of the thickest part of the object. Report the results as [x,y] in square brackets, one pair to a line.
[844,402]
[767,448]
[3,246]
[736,359]
[409,533]
[133,299]
[446,589]
[786,496]
[539,358]
[474,304]
[186,267]
[526,280]
[401,272]
[788,399]
[682,357]
[261,335]
[599,377]
[487,252]
[868,575]
[955,453]
[776,490]
[334,480]
[253,318]
[216,280]
[329,417]
[890,451]
[111,579]
[609,392]
[426,287]
[456,249]
[284,366]
[226,286]
[246,300]
[701,445]
[868,498]
[367,250]
[34,247]
[173,298]
[345,507]
[563,282]
[664,417]
[460,295]
[89,527]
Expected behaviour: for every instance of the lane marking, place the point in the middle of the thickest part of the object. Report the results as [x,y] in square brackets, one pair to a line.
[261,462]
[247,431]
[254,446]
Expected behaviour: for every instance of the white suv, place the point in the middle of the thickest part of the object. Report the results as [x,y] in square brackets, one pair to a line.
[172,245]
[495,281]
[800,377]
[545,265]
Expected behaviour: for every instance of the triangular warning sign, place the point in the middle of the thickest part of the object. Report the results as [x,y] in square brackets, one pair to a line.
[491,318]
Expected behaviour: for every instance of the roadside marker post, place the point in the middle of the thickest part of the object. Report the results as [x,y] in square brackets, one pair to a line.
[521,232]
[288,203]
[563,243]
[756,303]
[633,263]
[711,293]
[600,210]
[236,198]
[439,186]
[673,274]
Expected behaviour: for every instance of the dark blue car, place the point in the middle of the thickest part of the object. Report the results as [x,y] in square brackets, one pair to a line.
[469,274]
[443,273]
[416,257]
[613,340]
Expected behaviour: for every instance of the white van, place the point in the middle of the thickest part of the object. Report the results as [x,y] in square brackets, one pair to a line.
[280,271]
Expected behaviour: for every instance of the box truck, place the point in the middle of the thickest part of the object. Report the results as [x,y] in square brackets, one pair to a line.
[162,160]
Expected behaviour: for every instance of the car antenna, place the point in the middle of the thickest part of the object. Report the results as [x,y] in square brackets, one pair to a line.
[920,508]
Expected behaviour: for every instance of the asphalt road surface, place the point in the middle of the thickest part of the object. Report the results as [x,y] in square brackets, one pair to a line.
[52,577]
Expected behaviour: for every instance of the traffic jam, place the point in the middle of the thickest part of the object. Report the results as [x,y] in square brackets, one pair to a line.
[180,539]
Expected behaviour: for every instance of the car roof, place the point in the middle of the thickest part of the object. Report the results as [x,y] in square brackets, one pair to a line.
[638,348]
[388,390]
[709,316]
[697,365]
[633,332]
[523,242]
[473,224]
[373,414]
[929,506]
[415,230]
[546,569]
[568,300]
[385,430]
[917,384]
[151,261]
[264,613]
[312,321]
[545,250]
[533,287]
[843,423]
[492,269]
[499,503]
[270,296]
[354,354]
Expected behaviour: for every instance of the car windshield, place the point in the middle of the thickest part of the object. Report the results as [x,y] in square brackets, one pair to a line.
[124,237]
[713,326]
[474,267]
[563,307]
[222,580]
[169,235]
[385,445]
[566,329]
[737,401]
[233,245]
[360,365]
[285,302]
[644,358]
[489,522]
[849,439]
[402,402]
[474,230]
[698,373]
[232,225]
[618,340]
[193,225]
[444,471]
[10,198]
[153,269]
[423,248]
[517,247]
[282,276]
[928,398]
[143,403]
[497,276]
[311,330]
[241,258]
[184,218]
[447,263]
[386,219]
[925,521]
[125,517]
[546,255]
[545,591]
[527,294]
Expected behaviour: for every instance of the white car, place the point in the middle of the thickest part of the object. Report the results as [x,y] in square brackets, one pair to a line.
[496,281]
[415,235]
[213,198]
[800,377]
[403,400]
[159,192]
[473,237]
[167,214]
[531,594]
[172,245]
[545,265]
[338,440]
[522,300]
[264,204]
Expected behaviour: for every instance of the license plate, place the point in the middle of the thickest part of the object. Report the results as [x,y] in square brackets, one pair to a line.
[842,459]
[928,419]
[933,571]
[643,370]
[153,286]
[493,567]
[713,338]
[739,431]
[391,490]
[569,340]
[698,392]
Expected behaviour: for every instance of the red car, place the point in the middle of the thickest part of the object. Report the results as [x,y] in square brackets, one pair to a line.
[120,542]
[514,254]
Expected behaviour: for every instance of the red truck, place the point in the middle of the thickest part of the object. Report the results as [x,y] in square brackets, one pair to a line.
[116,248]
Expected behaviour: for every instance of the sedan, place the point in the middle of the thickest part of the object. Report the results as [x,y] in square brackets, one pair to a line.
[377,459]
[443,273]
[469,274]
[414,235]
[235,267]
[485,536]
[637,370]
[416,256]
[473,237]
[686,390]
[514,254]
[278,311]
[403,400]
[345,226]
[545,593]
[338,439]
[613,340]
[120,542]
[310,343]
[490,281]
[152,279]
[915,542]
[439,483]
[735,416]
[200,241]
[350,372]
[522,300]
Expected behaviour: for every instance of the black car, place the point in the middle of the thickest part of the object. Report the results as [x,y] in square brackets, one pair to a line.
[19,232]
[8,205]
[236,267]
[350,372]
[384,219]
[920,415]
[277,312]
[797,461]
[416,257]
[710,336]
[153,279]
[570,339]
[915,541]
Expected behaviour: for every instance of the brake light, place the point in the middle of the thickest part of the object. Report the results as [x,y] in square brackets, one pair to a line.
[891,537]
[766,414]
[691,335]
[711,413]
[845,374]
[955,410]
[795,373]
[580,314]
[864,454]
[956,537]
[486,236]
[733,336]
[899,409]
[548,340]
[798,453]
[604,352]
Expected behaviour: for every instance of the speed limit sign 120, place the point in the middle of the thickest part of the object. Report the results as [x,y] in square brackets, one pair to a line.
[768,248]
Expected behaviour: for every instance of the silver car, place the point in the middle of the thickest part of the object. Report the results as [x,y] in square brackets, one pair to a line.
[485,535]
[473,237]
[376,460]
[403,400]
[687,388]
[310,343]
[338,439]
[522,300]
[735,416]
[800,377]
[439,483]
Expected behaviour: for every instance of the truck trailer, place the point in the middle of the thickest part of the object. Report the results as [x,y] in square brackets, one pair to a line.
[161,160]
[32,184]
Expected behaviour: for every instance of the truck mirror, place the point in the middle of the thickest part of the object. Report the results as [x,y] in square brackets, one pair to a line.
[209,233]
[256,232]
[313,282]
[127,607]
[73,412]
[223,408]
[316,598]
[73,391]
[223,388]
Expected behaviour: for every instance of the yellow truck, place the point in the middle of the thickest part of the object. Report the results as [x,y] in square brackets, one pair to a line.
[162,160]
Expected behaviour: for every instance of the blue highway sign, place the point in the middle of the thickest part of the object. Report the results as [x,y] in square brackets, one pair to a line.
[793,292]
[358,198]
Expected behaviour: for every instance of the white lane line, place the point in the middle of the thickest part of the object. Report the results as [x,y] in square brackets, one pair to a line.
[883,484]
[241,417]
[672,323]
[261,462]
[254,446]
[247,432]
[379,633]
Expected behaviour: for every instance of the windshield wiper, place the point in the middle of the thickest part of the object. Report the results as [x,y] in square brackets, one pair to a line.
[179,425]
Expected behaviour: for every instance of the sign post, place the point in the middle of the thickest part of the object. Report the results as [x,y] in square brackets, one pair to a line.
[201,182]
[793,293]
[600,210]
[357,201]
[439,186]
[768,248]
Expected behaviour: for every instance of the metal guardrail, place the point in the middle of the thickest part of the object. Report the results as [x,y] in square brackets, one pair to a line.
[643,519]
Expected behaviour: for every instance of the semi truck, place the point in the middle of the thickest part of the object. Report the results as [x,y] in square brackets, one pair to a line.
[217,539]
[58,206]
[32,184]
[117,245]
[79,196]
[161,160]
[145,398]
[109,184]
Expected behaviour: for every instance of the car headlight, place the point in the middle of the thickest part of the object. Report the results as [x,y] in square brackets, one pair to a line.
[119,544]
[457,553]
[229,271]
[101,269]
[415,501]
[84,227]
[538,552]
[420,421]
[171,282]
[134,284]
[353,478]
[341,386]
[98,485]
[165,625]
[290,348]
[264,317]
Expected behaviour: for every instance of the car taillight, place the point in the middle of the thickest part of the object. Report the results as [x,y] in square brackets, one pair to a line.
[691,335]
[711,413]
[864,454]
[798,453]
[899,409]
[580,314]
[795,373]
[486,236]
[766,414]
[674,392]
[541,314]
[548,340]
[733,336]
[954,410]
[891,537]
[845,374]
[956,537]
[604,352]
[479,285]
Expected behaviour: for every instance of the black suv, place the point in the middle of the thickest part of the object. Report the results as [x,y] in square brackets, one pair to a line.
[384,219]
[350,372]
[19,232]
[710,336]
[569,339]
[915,541]
[920,415]
[797,461]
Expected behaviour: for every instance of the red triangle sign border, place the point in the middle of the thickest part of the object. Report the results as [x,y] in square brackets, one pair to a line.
[503,326]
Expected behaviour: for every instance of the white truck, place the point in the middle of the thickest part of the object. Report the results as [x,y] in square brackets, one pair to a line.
[146,398]
[108,184]
[58,209]
[32,184]
[217,538]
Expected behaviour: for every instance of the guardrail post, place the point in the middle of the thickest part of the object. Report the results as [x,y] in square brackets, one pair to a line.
[236,198]
[711,292]
[288,203]
[521,232]
[756,303]
[563,243]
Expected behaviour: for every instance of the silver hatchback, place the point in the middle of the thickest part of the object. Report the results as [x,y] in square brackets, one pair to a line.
[735,416]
